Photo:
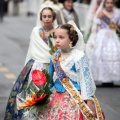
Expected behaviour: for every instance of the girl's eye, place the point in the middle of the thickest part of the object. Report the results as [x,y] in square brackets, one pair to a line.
[44,16]
[49,16]
[61,37]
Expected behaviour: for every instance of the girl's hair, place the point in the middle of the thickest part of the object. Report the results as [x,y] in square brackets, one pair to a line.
[48,8]
[73,35]
[105,2]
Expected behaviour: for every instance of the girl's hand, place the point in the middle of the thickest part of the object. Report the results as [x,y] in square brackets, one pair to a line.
[91,105]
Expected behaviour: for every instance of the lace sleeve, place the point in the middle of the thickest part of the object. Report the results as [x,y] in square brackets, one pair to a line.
[85,79]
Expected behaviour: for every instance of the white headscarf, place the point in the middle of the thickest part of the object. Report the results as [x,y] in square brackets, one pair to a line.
[90,16]
[39,22]
[38,50]
[80,45]
[91,41]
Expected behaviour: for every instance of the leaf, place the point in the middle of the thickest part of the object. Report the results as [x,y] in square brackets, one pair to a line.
[33,87]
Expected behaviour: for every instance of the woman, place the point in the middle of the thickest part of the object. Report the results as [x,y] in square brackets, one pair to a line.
[105,59]
[67,13]
[37,59]
[94,5]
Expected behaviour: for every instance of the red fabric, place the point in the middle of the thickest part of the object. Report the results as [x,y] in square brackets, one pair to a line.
[62,106]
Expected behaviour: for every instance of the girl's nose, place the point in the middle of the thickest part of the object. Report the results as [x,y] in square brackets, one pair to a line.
[47,18]
[56,40]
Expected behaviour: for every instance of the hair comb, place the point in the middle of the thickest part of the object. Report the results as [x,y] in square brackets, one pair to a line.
[72,28]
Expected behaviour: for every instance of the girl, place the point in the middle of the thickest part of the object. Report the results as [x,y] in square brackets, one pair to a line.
[37,59]
[71,81]
[105,60]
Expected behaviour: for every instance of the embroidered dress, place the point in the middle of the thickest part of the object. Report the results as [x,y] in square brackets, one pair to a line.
[62,105]
[105,60]
[37,59]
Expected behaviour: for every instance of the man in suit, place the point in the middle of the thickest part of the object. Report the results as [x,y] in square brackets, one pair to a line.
[67,12]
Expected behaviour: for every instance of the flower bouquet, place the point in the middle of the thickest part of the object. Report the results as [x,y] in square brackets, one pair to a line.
[52,46]
[36,96]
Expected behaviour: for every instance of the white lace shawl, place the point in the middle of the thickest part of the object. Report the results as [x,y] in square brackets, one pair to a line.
[83,75]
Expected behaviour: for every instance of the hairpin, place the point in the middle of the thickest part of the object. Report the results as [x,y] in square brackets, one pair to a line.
[72,28]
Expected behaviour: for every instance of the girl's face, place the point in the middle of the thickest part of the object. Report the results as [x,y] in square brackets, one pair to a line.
[68,4]
[109,4]
[62,40]
[47,17]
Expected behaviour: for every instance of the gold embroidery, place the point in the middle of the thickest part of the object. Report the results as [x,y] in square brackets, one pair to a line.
[81,103]
[78,99]
[72,28]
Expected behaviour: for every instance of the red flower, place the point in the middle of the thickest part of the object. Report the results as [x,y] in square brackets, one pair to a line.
[40,98]
[38,78]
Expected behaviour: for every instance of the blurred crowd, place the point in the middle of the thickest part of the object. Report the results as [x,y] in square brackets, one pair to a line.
[85,14]
[31,7]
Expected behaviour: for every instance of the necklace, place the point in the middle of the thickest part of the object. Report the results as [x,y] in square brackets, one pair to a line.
[47,30]
[66,51]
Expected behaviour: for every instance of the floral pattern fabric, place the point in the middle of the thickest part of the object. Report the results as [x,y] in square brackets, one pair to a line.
[11,110]
[61,107]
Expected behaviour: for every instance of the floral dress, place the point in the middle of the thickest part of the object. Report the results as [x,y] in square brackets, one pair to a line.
[25,77]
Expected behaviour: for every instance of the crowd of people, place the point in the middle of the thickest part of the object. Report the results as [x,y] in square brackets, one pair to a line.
[58,46]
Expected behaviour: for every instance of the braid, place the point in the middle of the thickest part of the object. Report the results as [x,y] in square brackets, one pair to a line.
[73,36]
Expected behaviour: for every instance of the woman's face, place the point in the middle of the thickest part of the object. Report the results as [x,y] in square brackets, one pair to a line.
[109,4]
[47,17]
[62,40]
[68,4]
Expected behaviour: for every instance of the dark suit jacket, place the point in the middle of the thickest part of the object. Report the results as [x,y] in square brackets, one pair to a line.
[59,20]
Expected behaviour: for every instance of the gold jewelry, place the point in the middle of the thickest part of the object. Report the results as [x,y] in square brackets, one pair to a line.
[65,52]
[70,44]
[62,59]
[47,30]
[72,28]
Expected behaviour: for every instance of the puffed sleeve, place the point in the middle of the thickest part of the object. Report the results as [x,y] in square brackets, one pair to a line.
[97,20]
[85,78]
[51,72]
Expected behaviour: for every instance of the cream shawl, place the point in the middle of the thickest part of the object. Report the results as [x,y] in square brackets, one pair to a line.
[38,50]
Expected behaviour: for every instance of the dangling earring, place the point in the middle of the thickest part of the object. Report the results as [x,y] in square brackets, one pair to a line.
[70,44]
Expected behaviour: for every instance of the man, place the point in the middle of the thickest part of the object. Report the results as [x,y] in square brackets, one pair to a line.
[67,12]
